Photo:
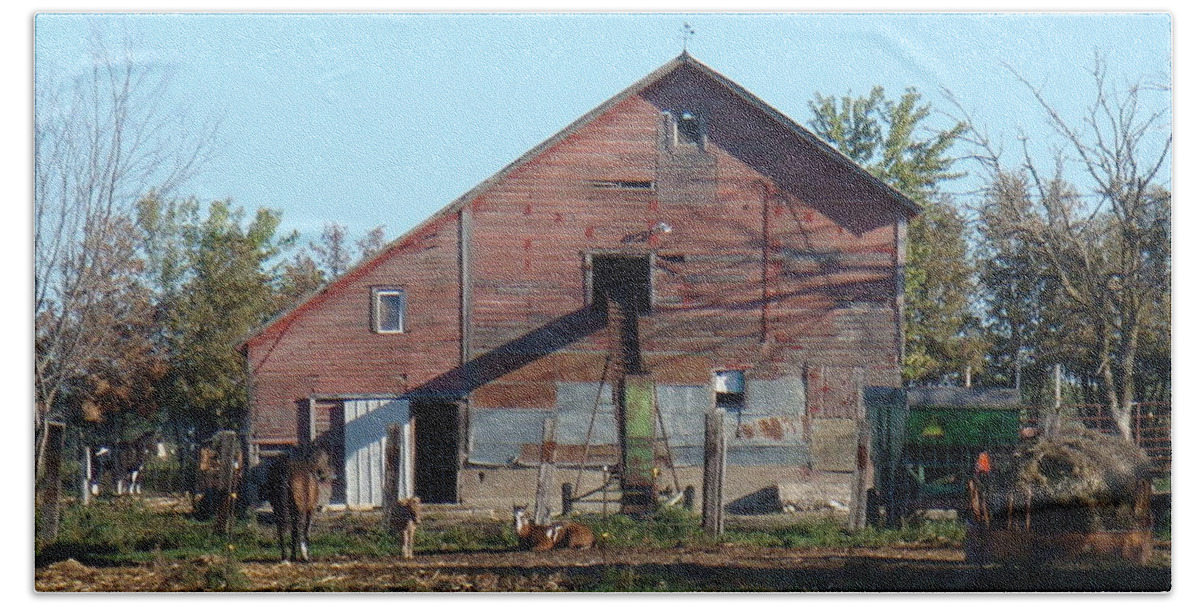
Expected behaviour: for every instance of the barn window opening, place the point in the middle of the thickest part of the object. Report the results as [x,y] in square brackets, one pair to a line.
[621,292]
[684,131]
[690,130]
[730,387]
[623,280]
[388,310]
[621,184]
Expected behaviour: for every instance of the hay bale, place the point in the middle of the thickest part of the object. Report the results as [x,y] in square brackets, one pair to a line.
[1081,466]
[1079,480]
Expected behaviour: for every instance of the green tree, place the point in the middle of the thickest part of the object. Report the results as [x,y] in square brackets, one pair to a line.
[332,250]
[889,139]
[298,278]
[223,288]
[371,243]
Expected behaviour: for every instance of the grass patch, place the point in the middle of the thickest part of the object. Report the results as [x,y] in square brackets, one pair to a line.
[829,532]
[668,527]
[123,532]
[673,527]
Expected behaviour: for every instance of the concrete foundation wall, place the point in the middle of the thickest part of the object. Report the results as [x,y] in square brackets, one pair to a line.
[748,490]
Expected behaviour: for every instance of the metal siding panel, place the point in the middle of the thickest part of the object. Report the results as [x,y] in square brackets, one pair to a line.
[496,435]
[683,409]
[782,397]
[575,402]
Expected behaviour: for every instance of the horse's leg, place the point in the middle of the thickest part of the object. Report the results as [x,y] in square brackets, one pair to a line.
[280,522]
[305,526]
[295,523]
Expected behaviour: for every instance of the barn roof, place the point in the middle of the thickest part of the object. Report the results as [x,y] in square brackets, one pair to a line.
[684,59]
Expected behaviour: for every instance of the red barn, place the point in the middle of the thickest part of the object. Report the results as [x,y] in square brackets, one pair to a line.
[759,266]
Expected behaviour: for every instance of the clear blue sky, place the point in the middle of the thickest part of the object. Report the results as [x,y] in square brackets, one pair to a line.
[383,119]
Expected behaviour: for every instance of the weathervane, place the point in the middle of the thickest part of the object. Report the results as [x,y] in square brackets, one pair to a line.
[686,33]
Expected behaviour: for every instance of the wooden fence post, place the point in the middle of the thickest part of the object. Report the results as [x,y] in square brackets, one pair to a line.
[229,454]
[49,480]
[1056,418]
[862,459]
[545,481]
[714,471]
[568,502]
[391,478]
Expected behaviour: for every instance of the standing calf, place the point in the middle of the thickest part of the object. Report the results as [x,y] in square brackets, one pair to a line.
[405,516]
[557,535]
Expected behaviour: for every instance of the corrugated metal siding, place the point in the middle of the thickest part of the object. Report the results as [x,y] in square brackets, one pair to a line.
[366,428]
[768,431]
[496,435]
[574,403]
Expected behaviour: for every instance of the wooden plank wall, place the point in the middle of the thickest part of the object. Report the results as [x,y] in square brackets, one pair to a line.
[778,258]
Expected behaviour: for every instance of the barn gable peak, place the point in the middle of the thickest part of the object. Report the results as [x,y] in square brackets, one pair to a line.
[683,61]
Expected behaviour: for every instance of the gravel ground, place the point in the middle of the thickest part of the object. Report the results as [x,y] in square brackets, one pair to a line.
[728,568]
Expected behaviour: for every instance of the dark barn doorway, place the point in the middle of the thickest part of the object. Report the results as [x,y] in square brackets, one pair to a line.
[624,279]
[436,435]
[621,291]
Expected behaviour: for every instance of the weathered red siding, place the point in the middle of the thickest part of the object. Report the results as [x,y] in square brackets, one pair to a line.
[760,270]
[779,257]
[327,346]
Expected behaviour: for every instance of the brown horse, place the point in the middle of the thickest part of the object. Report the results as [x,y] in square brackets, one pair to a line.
[293,488]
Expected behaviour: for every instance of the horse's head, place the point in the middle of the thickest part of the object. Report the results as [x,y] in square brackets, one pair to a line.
[323,464]
[411,509]
[315,459]
[519,515]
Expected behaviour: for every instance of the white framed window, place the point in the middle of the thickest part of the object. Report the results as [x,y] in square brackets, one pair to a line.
[387,310]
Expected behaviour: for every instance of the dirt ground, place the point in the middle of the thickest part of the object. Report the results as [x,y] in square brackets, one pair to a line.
[719,568]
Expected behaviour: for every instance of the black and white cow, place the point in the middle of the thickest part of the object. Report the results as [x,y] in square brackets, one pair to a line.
[122,462]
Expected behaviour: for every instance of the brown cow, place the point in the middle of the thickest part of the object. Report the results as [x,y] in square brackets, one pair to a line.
[557,535]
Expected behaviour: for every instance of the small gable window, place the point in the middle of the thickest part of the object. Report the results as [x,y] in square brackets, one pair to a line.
[387,310]
[691,131]
[686,131]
